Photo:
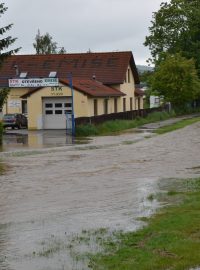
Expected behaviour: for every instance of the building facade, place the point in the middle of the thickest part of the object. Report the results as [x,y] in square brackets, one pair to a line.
[103,83]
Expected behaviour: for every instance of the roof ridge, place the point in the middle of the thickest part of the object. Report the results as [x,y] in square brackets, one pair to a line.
[77,53]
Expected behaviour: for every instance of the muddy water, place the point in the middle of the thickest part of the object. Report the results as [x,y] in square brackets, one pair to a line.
[48,196]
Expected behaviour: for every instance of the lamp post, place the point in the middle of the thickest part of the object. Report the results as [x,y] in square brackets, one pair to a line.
[72,95]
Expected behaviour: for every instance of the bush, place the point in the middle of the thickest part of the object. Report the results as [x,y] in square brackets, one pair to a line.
[110,127]
[86,130]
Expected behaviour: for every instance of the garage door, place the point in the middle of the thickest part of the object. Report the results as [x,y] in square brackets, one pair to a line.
[54,112]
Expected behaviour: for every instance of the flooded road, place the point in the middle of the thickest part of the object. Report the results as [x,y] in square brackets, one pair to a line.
[24,139]
[52,194]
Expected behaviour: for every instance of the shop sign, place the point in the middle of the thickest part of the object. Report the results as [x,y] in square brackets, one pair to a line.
[57,91]
[14,103]
[36,82]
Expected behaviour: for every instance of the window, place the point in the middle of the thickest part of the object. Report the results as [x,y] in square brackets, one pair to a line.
[24,106]
[106,106]
[115,105]
[124,104]
[68,105]
[49,112]
[129,75]
[52,74]
[131,104]
[58,111]
[48,105]
[95,107]
[138,103]
[58,105]
[68,111]
[125,79]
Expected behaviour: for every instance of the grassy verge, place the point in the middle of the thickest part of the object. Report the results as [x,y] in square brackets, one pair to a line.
[178,125]
[171,240]
[115,126]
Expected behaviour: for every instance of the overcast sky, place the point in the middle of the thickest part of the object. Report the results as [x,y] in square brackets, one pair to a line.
[79,25]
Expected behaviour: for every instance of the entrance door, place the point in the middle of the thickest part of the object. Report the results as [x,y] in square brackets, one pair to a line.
[54,112]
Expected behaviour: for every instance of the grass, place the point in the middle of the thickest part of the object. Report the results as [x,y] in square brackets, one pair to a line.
[115,126]
[171,240]
[178,125]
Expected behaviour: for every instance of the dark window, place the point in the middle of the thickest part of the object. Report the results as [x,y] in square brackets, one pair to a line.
[115,105]
[58,111]
[129,76]
[138,103]
[58,105]
[124,104]
[105,106]
[24,106]
[48,105]
[95,107]
[49,112]
[131,104]
[68,105]
[125,79]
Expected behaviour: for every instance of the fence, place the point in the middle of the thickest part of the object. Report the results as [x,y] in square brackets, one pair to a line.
[129,115]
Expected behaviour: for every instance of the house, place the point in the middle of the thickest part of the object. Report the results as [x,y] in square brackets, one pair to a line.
[156,101]
[103,83]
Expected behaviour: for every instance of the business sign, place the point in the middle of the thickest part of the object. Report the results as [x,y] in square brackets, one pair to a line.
[36,82]
[14,103]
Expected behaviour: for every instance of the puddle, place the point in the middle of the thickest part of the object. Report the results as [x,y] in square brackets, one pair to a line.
[23,139]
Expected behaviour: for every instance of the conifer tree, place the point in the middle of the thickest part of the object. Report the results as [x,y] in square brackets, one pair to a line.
[5,41]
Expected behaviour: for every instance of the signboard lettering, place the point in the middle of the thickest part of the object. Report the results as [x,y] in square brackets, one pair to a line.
[36,82]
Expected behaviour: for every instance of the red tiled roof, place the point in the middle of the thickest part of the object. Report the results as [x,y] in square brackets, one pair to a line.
[139,92]
[108,68]
[89,87]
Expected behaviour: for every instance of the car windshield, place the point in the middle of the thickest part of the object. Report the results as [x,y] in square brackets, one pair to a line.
[9,116]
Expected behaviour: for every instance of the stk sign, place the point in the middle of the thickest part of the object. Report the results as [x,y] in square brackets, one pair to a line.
[35,82]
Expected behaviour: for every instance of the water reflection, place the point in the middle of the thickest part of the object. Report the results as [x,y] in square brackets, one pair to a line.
[13,139]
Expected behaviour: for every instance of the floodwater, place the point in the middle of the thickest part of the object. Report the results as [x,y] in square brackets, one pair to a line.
[24,139]
[51,195]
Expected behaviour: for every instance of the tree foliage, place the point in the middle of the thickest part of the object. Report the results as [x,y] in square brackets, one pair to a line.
[7,41]
[44,44]
[175,28]
[3,95]
[176,79]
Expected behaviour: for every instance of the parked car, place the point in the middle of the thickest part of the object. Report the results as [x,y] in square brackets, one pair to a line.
[14,120]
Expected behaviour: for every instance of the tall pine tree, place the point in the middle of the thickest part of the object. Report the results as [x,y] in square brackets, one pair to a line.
[5,41]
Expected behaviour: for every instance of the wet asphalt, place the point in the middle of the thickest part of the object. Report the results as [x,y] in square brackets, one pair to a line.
[52,192]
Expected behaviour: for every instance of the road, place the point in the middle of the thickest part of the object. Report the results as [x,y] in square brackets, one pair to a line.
[59,192]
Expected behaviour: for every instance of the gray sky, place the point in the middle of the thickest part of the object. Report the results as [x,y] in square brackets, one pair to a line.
[77,25]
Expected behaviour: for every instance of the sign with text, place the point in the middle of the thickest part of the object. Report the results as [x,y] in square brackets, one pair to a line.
[36,82]
[14,103]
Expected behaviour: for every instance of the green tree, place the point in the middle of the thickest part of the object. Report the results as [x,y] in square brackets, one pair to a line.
[7,41]
[175,28]
[44,45]
[176,80]
[3,95]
